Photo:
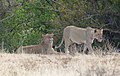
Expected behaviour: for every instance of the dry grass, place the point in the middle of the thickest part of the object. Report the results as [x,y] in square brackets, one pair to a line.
[59,65]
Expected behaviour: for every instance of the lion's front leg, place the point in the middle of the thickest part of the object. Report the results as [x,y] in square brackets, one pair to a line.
[89,47]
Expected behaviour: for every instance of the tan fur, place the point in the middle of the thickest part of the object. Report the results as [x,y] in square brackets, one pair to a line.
[44,48]
[72,34]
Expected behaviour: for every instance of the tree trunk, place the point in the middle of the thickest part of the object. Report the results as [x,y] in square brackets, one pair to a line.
[2,12]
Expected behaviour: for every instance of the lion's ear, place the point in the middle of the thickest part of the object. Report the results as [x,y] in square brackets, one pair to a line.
[101,30]
[52,34]
[43,35]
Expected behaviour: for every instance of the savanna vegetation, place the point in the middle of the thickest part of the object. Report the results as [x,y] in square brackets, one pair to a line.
[22,22]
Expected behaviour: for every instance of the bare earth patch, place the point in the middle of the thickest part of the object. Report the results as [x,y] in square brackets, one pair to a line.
[59,65]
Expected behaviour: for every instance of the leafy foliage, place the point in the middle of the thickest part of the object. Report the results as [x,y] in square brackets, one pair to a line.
[32,18]
[27,25]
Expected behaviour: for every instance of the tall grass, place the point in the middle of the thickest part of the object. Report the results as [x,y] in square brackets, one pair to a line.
[95,64]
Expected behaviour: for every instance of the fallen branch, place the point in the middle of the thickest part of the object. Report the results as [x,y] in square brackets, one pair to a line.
[112,31]
[6,18]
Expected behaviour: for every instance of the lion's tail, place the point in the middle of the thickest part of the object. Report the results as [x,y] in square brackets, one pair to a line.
[19,50]
[59,44]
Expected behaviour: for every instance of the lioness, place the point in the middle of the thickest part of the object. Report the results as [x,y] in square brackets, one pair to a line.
[44,48]
[72,34]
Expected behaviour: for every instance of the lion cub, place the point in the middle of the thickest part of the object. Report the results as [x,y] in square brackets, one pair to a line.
[44,48]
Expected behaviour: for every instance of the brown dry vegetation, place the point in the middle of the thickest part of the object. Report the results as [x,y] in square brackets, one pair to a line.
[59,65]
